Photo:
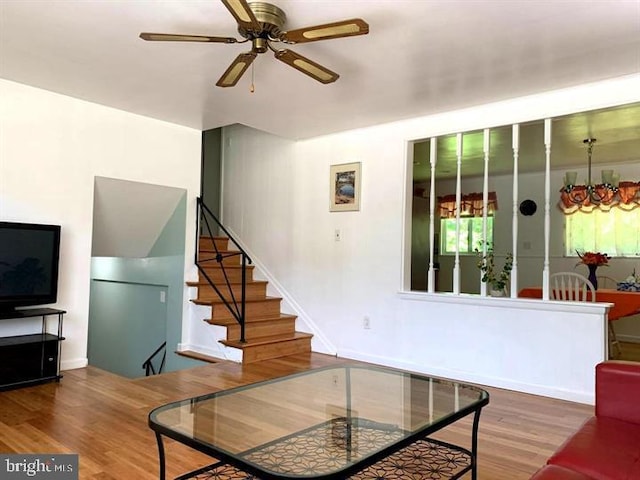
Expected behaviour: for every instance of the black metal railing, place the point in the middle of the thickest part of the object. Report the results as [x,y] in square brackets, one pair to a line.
[237,306]
[148,367]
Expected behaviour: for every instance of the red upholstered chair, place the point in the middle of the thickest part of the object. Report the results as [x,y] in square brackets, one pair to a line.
[618,391]
[554,472]
[607,446]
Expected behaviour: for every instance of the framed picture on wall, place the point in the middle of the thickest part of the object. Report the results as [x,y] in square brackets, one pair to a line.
[344,187]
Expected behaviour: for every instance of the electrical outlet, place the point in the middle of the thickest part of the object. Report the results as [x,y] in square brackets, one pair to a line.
[336,235]
[366,323]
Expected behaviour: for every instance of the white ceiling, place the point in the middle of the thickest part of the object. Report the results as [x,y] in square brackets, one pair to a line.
[420,57]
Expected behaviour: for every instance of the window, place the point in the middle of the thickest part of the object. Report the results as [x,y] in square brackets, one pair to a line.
[615,232]
[470,234]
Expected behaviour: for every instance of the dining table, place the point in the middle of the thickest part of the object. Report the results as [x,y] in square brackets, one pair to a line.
[624,304]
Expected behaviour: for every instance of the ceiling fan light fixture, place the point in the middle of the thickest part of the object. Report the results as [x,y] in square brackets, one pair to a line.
[260,45]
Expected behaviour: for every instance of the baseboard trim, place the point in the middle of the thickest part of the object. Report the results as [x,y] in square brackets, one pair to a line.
[542,390]
[628,338]
[74,363]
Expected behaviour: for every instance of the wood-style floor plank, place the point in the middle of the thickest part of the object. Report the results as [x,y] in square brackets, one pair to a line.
[103,418]
[630,351]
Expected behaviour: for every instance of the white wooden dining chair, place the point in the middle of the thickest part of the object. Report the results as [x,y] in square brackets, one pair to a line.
[606,282]
[571,286]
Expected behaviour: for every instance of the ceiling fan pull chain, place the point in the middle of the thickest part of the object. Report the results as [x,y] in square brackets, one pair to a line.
[253,88]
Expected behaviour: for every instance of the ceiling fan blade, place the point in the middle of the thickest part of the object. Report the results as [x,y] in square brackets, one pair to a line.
[306,66]
[170,37]
[243,14]
[236,69]
[345,28]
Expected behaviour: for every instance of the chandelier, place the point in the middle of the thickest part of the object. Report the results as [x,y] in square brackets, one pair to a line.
[590,194]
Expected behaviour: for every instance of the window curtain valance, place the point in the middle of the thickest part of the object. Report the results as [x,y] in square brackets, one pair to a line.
[471,205]
[626,198]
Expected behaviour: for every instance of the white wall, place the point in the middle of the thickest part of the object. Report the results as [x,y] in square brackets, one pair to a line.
[276,199]
[52,147]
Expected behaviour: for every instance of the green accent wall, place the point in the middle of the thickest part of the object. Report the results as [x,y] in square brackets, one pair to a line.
[211,169]
[128,323]
[125,303]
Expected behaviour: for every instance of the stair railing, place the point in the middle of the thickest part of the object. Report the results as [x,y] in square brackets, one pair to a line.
[148,363]
[237,307]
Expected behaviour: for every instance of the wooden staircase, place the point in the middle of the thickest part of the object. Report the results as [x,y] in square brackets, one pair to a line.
[269,333]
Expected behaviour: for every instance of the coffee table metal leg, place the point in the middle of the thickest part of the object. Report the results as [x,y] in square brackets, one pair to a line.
[474,445]
[160,456]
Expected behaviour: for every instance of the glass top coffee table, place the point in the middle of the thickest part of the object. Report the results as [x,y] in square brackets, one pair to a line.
[347,421]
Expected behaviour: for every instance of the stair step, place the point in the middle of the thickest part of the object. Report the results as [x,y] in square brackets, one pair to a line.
[234,273]
[228,257]
[226,322]
[282,325]
[267,307]
[198,356]
[272,346]
[204,243]
[254,290]
[268,332]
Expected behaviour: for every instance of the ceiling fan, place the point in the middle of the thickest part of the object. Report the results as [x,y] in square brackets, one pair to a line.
[261,24]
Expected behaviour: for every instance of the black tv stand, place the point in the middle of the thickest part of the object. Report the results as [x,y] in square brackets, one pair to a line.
[34,358]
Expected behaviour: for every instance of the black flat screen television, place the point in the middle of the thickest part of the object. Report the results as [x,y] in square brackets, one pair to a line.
[29,257]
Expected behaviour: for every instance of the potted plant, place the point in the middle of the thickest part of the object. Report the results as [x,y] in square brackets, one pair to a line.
[496,279]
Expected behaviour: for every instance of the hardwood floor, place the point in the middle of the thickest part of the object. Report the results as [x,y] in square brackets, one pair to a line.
[103,418]
[630,351]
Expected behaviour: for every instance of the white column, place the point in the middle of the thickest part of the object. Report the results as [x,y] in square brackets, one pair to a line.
[432,202]
[514,225]
[547,208]
[485,203]
[456,264]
